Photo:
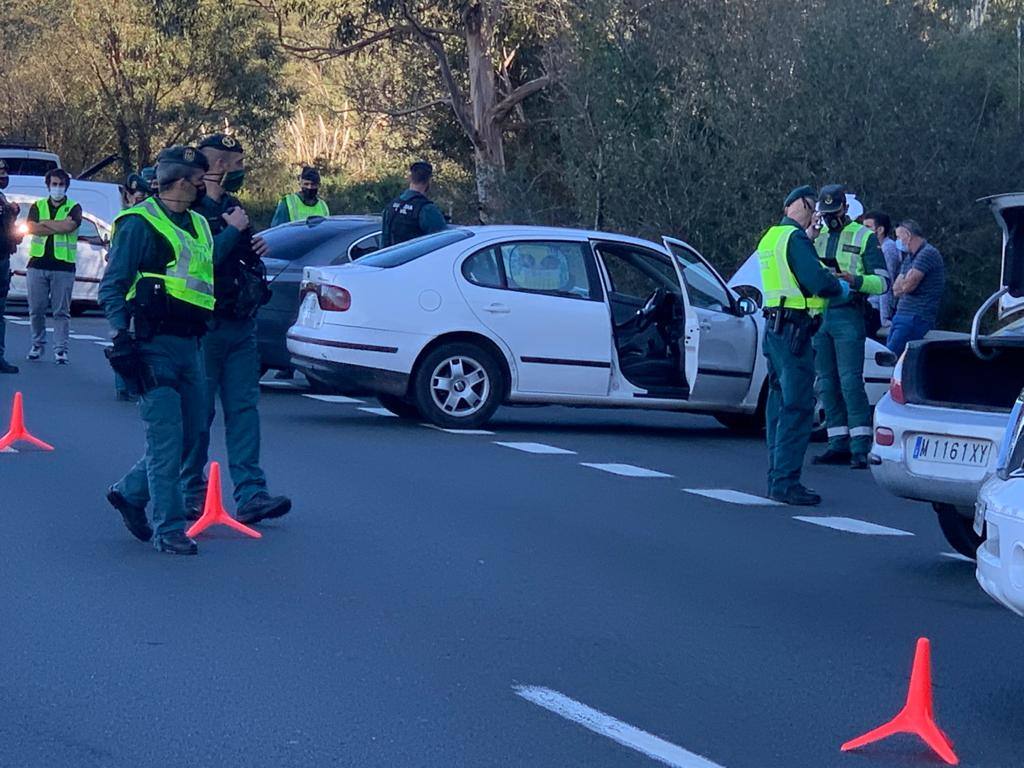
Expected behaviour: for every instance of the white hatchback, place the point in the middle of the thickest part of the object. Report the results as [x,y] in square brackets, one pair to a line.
[449,326]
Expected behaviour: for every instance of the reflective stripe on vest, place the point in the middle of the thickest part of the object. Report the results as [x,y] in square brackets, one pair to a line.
[299,211]
[189,275]
[853,242]
[777,279]
[65,246]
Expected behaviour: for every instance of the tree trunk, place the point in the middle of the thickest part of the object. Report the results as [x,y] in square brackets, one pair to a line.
[489,149]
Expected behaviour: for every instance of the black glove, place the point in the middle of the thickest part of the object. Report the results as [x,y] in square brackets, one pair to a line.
[124,358]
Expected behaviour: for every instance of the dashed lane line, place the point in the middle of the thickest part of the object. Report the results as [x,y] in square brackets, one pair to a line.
[379,412]
[538,448]
[851,525]
[733,497]
[957,556]
[625,470]
[333,398]
[605,725]
[84,337]
[458,431]
[103,343]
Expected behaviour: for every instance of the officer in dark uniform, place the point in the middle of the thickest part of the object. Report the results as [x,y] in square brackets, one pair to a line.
[230,352]
[795,286]
[8,244]
[412,214]
[158,296]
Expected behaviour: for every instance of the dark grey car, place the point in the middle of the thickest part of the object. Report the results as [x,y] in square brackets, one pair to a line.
[316,242]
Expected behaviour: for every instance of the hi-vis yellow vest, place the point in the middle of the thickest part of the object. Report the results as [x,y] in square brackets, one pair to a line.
[777,279]
[850,250]
[189,275]
[299,211]
[65,246]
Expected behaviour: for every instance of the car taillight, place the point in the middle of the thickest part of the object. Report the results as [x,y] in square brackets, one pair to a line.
[884,436]
[896,384]
[333,299]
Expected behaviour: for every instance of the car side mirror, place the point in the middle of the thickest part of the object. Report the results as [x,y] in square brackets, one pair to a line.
[747,306]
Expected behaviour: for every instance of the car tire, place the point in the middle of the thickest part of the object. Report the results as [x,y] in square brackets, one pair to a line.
[399,406]
[746,424]
[468,367]
[958,529]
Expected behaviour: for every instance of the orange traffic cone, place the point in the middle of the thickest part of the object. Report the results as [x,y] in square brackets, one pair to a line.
[917,716]
[17,432]
[214,512]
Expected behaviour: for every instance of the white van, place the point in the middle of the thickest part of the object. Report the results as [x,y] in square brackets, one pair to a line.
[25,161]
[100,202]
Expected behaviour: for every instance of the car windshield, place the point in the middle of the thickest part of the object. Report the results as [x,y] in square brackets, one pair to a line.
[293,242]
[403,253]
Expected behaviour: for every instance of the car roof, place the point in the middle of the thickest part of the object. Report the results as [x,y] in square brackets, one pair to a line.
[519,230]
[339,222]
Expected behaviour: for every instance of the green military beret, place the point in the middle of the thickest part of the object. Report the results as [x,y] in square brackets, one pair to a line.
[182,155]
[148,174]
[222,142]
[832,198]
[800,192]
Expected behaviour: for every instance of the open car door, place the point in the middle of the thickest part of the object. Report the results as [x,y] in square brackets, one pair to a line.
[1009,212]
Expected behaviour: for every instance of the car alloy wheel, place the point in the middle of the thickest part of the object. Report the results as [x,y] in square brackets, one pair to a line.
[460,386]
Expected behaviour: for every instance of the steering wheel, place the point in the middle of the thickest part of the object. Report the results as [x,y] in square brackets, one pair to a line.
[646,314]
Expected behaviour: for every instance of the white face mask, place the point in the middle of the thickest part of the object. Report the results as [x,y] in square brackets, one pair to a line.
[57,193]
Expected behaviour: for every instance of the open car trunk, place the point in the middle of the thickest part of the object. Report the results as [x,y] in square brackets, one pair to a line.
[947,373]
[1008,210]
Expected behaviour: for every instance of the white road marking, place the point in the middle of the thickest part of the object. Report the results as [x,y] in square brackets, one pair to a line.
[540,448]
[103,343]
[458,431]
[281,384]
[379,412]
[733,497]
[609,727]
[17,320]
[331,398]
[851,525]
[957,556]
[84,337]
[626,470]
[8,449]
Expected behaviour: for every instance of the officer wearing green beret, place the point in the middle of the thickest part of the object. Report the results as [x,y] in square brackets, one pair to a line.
[229,350]
[795,288]
[148,175]
[851,251]
[306,203]
[158,296]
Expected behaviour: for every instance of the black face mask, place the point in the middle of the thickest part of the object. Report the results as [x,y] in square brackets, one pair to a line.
[200,192]
[4,181]
[309,195]
[835,221]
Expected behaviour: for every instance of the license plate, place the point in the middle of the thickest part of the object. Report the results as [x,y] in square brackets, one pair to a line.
[946,450]
[310,314]
[979,518]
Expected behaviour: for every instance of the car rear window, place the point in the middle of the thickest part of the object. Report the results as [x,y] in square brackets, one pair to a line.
[294,242]
[29,166]
[403,253]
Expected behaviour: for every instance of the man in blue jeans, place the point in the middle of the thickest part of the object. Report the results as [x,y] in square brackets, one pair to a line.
[918,289]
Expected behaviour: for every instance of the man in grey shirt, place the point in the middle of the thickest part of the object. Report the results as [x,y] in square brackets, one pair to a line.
[918,288]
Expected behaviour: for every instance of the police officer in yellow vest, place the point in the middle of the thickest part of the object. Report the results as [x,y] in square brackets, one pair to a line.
[158,296]
[795,287]
[299,207]
[50,278]
[851,251]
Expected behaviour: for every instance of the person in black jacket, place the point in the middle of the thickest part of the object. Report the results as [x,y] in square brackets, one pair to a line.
[412,214]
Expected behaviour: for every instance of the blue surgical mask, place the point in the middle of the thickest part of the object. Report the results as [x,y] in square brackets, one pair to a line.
[902,247]
[57,193]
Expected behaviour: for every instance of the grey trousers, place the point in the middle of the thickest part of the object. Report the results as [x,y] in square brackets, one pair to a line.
[49,289]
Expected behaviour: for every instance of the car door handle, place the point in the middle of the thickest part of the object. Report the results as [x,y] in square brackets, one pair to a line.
[497,309]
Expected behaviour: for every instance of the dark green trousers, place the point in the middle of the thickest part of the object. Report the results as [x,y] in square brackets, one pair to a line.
[789,411]
[839,365]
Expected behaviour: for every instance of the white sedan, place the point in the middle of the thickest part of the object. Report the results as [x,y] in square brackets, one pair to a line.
[449,326]
[1000,514]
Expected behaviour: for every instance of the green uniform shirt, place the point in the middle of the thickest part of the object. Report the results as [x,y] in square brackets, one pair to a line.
[136,248]
[813,278]
[871,282]
[224,237]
